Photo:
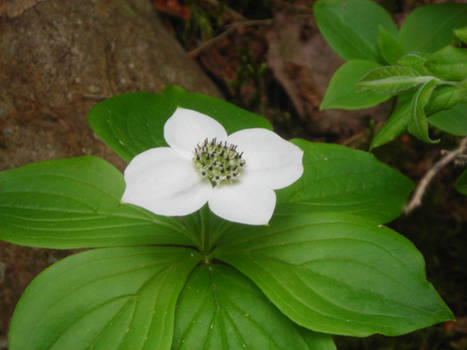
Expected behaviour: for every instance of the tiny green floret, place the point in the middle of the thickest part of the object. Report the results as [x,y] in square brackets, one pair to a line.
[218,161]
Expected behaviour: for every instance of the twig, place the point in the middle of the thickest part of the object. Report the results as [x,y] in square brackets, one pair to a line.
[230,28]
[426,179]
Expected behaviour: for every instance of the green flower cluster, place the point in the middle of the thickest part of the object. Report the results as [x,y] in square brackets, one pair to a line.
[219,161]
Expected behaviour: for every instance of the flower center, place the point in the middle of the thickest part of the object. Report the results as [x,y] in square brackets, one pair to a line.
[218,161]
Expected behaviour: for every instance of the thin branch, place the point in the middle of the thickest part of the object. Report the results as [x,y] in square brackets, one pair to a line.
[230,29]
[430,174]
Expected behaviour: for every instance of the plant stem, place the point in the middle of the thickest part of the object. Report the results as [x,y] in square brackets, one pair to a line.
[204,235]
[430,174]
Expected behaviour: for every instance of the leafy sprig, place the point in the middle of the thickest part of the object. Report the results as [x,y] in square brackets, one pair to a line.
[418,64]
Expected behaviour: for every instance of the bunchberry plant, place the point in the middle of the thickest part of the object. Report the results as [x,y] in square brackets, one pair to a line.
[169,272]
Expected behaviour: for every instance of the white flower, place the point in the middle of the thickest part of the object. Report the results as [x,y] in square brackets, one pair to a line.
[235,174]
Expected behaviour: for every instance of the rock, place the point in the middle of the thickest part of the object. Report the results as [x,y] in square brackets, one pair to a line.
[61,57]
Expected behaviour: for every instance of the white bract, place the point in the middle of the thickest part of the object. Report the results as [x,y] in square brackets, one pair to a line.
[235,174]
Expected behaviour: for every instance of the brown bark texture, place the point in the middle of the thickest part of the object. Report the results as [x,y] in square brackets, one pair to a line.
[57,59]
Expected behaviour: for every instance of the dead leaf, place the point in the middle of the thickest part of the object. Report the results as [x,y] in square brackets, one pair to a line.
[303,63]
[459,326]
[173,8]
[286,60]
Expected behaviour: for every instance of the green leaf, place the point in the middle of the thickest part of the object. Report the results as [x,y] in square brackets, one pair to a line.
[461,33]
[445,97]
[220,309]
[389,45]
[337,274]
[430,28]
[108,299]
[461,183]
[132,123]
[463,84]
[75,203]
[418,123]
[452,121]
[415,61]
[343,180]
[391,80]
[394,126]
[344,94]
[449,63]
[317,341]
[340,22]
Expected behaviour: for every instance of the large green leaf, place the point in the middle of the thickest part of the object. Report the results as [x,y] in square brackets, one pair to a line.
[395,125]
[220,309]
[392,80]
[461,33]
[445,97]
[453,120]
[418,123]
[75,203]
[104,299]
[461,183]
[132,123]
[337,274]
[415,61]
[342,92]
[343,180]
[389,46]
[430,28]
[340,22]
[449,63]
